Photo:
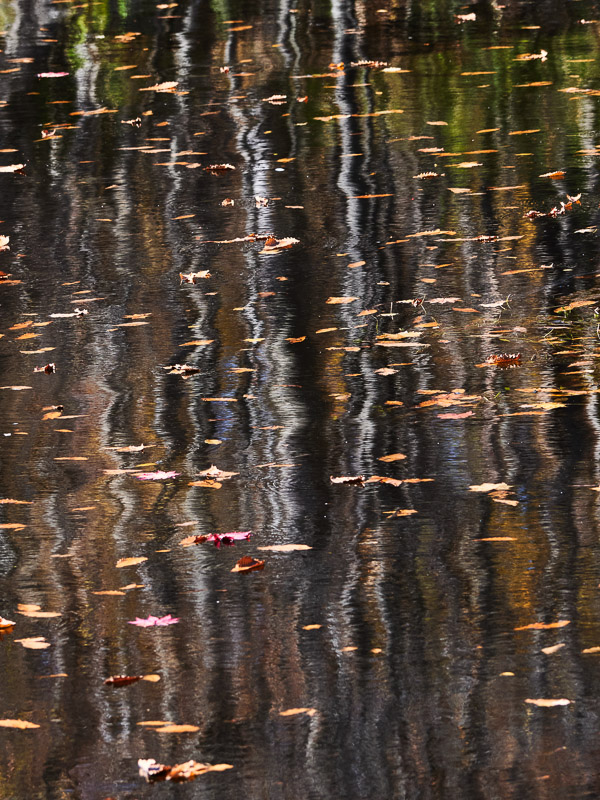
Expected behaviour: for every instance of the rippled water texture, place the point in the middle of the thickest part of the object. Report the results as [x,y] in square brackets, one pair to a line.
[392,278]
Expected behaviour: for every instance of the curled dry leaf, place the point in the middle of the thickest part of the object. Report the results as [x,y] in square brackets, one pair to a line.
[6,624]
[352,479]
[130,562]
[4,240]
[47,368]
[248,564]
[274,245]
[13,168]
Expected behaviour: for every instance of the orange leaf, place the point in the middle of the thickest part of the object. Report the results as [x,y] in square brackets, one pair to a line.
[543,626]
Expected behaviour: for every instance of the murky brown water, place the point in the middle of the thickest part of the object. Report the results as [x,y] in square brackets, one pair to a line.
[402,146]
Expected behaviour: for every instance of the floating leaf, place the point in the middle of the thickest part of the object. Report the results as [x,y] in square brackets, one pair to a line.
[285,548]
[248,564]
[152,621]
[217,538]
[34,643]
[17,723]
[336,301]
[544,626]
[156,476]
[553,649]
[392,457]
[543,703]
[488,487]
[167,86]
[151,770]
[126,680]
[130,562]
[292,712]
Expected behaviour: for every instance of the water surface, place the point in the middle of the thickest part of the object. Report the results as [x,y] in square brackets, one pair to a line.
[403,147]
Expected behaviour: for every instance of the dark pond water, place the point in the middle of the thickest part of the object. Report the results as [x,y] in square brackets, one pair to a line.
[400,148]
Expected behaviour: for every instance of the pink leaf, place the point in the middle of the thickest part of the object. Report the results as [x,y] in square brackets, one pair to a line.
[152,621]
[227,538]
[156,476]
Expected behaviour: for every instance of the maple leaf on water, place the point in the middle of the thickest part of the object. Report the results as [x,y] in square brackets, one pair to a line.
[156,476]
[151,621]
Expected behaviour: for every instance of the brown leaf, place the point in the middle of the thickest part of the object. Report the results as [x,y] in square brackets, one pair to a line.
[247,564]
[392,457]
[6,624]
